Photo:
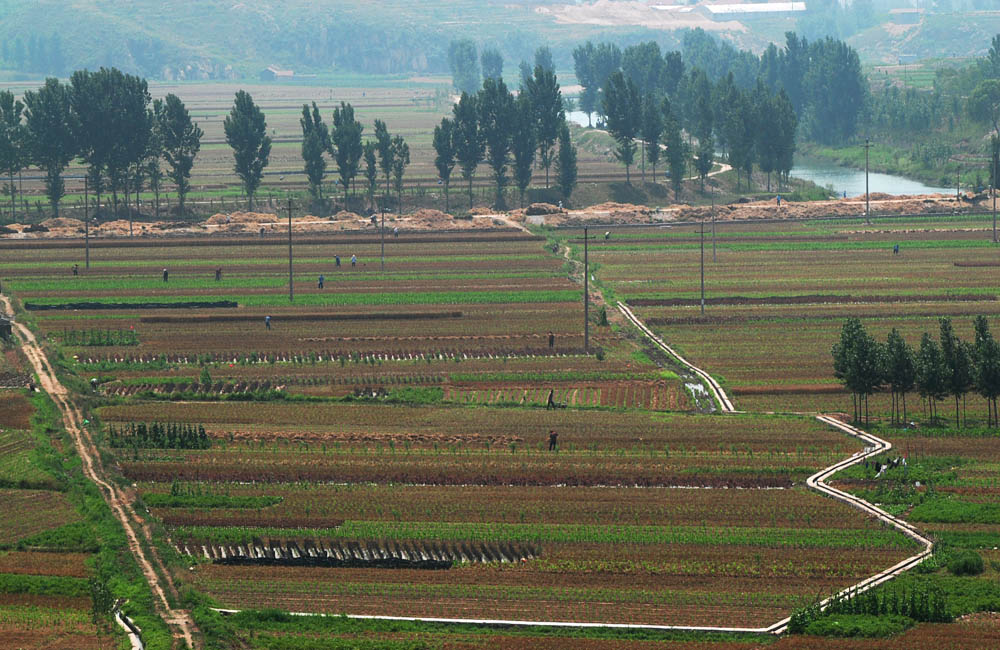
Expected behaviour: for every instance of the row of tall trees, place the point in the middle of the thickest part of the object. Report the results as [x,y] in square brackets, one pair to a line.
[937,369]
[505,131]
[753,127]
[384,153]
[822,79]
[108,121]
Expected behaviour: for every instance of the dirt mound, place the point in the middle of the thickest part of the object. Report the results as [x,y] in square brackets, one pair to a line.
[64,223]
[542,208]
[241,218]
[344,215]
[480,210]
[430,215]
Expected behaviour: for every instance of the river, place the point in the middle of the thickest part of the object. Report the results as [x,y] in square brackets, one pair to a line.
[840,179]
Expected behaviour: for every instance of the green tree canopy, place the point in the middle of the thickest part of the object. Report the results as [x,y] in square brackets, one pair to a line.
[246,133]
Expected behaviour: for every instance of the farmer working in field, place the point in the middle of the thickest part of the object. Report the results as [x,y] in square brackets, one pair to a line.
[354,260]
[320,283]
[553,437]
[552,340]
[165,275]
[267,322]
[218,274]
[336,261]
[551,403]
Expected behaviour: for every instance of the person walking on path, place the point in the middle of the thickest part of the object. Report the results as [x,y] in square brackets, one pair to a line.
[320,283]
[218,274]
[267,322]
[553,440]
[552,340]
[165,275]
[551,403]
[354,260]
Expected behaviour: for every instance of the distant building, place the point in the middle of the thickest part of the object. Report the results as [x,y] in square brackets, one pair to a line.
[906,16]
[274,73]
[751,9]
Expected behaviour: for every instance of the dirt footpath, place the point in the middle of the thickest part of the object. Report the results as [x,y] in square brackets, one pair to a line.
[179,621]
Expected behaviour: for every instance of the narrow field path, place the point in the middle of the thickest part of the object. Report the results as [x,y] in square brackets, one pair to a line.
[179,621]
[873,446]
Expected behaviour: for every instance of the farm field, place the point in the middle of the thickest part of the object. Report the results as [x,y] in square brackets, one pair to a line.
[778,295]
[45,546]
[383,448]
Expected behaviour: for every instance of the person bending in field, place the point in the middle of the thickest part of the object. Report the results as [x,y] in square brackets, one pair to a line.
[336,261]
[553,440]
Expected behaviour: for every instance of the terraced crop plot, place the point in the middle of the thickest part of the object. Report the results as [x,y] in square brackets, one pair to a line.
[383,448]
[779,293]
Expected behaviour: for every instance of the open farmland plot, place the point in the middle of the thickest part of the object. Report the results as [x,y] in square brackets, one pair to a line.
[383,448]
[398,478]
[778,295]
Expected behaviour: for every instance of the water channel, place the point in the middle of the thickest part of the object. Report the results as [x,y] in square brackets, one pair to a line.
[840,179]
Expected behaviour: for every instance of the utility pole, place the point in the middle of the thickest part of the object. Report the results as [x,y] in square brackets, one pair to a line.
[958,184]
[384,199]
[291,289]
[702,266]
[868,212]
[713,226]
[86,222]
[586,292]
[996,163]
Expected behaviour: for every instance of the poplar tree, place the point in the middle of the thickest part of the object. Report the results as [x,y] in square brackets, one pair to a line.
[346,139]
[468,140]
[51,133]
[496,117]
[315,143]
[246,133]
[444,154]
[181,142]
[624,115]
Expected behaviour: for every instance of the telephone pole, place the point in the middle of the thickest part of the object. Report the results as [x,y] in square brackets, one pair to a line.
[586,292]
[291,288]
[703,266]
[713,226]
[86,223]
[384,199]
[868,212]
[995,160]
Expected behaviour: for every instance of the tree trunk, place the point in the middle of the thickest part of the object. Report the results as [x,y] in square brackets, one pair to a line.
[446,208]
[470,194]
[643,155]
[13,198]
[904,406]
[958,423]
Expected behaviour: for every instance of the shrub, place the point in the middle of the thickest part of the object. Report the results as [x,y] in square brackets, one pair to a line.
[858,625]
[966,563]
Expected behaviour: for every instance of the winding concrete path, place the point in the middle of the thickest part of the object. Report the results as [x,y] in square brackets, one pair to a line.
[873,447]
[179,621]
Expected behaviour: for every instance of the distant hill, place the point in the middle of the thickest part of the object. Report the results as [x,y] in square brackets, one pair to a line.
[229,39]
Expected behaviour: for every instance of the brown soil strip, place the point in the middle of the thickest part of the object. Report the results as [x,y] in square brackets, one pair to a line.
[238,318]
[802,300]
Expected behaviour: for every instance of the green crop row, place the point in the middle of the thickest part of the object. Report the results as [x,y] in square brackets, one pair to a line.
[571,533]
[351,299]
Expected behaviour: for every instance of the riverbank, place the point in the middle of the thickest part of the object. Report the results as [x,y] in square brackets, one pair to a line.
[911,164]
